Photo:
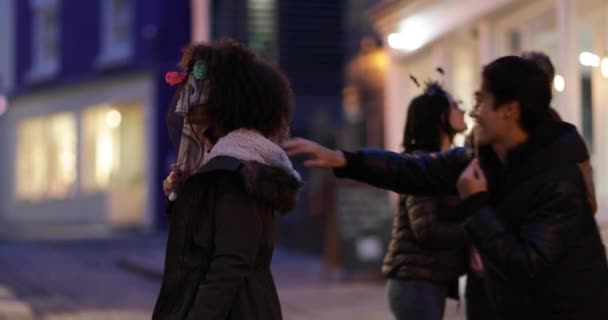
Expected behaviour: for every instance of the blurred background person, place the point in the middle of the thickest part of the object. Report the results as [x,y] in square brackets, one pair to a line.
[544,63]
[426,253]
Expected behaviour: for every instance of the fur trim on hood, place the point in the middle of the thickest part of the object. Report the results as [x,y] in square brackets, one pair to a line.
[266,169]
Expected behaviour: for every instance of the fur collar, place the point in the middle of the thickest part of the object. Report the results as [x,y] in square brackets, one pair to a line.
[249,145]
[266,169]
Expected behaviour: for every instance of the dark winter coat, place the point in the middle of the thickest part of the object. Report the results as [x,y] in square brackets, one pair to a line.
[534,229]
[427,241]
[221,239]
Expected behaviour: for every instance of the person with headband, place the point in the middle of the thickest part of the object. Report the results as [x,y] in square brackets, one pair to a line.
[426,257]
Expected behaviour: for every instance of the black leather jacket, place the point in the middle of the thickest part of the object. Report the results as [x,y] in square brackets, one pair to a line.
[534,228]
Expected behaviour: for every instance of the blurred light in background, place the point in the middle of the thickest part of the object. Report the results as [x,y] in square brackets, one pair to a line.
[604,67]
[104,158]
[113,118]
[379,59]
[3,105]
[412,35]
[559,83]
[405,41]
[101,152]
[46,157]
[589,59]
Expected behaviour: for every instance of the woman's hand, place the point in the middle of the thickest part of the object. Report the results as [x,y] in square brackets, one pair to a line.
[174,180]
[322,156]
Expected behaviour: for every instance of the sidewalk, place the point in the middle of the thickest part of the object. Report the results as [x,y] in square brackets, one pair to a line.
[304,296]
[119,279]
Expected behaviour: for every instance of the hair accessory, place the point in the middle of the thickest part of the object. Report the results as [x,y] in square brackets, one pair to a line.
[199,71]
[415,81]
[175,78]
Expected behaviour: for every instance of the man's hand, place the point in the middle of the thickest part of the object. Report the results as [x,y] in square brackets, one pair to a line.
[475,263]
[322,157]
[472,180]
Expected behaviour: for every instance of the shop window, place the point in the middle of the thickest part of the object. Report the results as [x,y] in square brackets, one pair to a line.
[112,146]
[46,157]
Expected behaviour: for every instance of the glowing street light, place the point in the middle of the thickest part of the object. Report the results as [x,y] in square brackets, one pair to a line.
[589,59]
[113,118]
[404,41]
[604,67]
[559,83]
[3,105]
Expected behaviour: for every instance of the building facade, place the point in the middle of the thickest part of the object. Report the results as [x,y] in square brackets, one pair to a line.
[84,145]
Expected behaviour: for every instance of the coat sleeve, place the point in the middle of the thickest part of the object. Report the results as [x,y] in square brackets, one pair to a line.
[587,172]
[427,226]
[169,209]
[428,174]
[526,252]
[238,231]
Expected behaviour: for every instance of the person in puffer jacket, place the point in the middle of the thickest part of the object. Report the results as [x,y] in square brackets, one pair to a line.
[426,253]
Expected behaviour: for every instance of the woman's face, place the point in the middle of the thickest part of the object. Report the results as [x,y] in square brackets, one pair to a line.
[197,115]
[456,116]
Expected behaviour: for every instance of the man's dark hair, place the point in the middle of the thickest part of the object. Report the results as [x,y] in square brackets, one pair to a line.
[542,61]
[513,78]
[244,90]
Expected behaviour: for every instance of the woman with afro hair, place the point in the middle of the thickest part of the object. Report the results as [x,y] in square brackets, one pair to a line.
[222,225]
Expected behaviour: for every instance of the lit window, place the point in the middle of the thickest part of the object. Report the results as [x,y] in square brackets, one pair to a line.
[46,157]
[45,39]
[107,132]
[116,31]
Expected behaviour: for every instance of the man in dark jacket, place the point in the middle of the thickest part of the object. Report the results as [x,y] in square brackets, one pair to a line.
[525,199]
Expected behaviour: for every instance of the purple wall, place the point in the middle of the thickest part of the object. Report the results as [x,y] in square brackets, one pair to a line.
[162,29]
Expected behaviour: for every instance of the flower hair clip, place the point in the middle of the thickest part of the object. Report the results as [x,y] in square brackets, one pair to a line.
[175,78]
[199,72]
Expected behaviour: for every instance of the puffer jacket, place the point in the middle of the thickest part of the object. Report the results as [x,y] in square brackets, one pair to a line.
[427,241]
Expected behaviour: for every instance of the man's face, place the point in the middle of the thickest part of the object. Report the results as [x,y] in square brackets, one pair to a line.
[492,125]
